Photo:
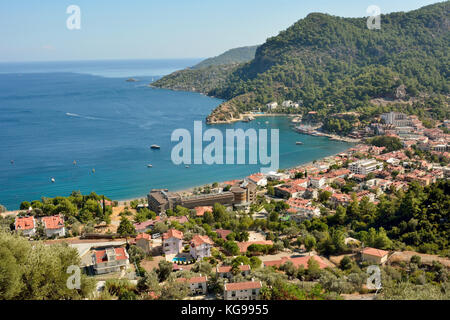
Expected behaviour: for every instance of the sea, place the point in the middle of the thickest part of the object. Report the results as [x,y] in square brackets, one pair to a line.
[80,126]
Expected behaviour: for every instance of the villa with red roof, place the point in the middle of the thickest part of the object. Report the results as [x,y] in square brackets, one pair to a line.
[225,271]
[172,242]
[242,290]
[259,179]
[201,247]
[27,225]
[110,260]
[373,255]
[198,285]
[54,226]
[143,241]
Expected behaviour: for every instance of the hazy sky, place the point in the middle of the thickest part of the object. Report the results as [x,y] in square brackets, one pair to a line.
[32,30]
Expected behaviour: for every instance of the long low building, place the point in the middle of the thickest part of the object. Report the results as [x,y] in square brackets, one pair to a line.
[242,290]
[242,193]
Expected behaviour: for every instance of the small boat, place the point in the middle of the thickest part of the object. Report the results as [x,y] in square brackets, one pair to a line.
[93,170]
[299,143]
[12,161]
[74,162]
[155,147]
[53,180]
[149,166]
[267,122]
[187,167]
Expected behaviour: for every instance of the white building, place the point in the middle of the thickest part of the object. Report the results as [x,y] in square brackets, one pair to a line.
[201,247]
[272,105]
[259,179]
[54,226]
[396,119]
[110,260]
[277,176]
[318,182]
[376,256]
[172,242]
[26,225]
[198,285]
[365,167]
[242,290]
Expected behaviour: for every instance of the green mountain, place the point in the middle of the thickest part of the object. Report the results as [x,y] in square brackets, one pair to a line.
[208,74]
[237,55]
[334,65]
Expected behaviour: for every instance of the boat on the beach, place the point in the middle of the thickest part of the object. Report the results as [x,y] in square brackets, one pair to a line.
[155,147]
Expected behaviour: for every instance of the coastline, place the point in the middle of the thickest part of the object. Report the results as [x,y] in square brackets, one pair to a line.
[190,189]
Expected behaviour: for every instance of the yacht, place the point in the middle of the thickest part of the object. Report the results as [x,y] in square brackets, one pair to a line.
[155,147]
[149,166]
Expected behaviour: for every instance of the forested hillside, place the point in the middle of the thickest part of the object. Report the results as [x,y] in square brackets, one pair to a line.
[337,64]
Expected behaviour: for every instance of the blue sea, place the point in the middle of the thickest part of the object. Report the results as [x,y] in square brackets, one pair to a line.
[52,114]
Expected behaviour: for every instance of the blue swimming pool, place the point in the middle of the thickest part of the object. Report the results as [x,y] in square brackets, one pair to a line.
[178,259]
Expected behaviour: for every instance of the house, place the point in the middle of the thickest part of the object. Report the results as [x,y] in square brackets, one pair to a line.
[272,105]
[54,226]
[172,242]
[27,225]
[317,182]
[288,191]
[374,255]
[201,247]
[110,260]
[340,199]
[277,176]
[259,179]
[200,211]
[143,241]
[198,285]
[242,290]
[225,271]
[223,233]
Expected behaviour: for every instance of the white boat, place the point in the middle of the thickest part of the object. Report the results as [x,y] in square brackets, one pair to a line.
[155,146]
[149,166]
[53,180]
[187,167]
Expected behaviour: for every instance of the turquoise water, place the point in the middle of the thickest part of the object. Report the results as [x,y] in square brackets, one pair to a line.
[176,259]
[48,120]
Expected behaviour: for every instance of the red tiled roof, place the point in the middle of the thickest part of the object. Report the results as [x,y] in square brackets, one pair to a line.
[198,240]
[145,236]
[146,224]
[226,269]
[242,286]
[375,252]
[180,220]
[173,233]
[200,211]
[53,222]
[24,223]
[256,177]
[100,256]
[193,279]
[223,233]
